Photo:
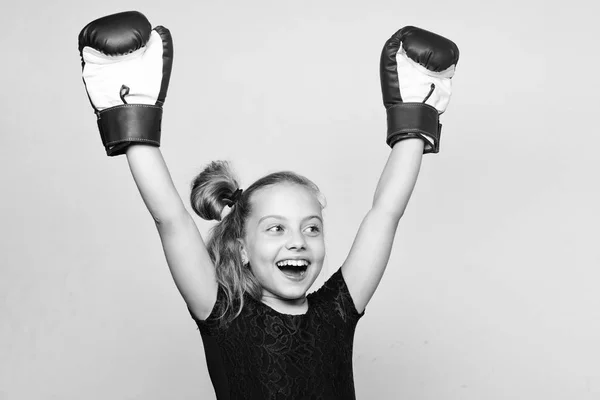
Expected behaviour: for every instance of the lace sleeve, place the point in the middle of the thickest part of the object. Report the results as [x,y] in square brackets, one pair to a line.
[211,325]
[334,293]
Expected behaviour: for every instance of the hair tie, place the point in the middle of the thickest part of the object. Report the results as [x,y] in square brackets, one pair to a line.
[235,197]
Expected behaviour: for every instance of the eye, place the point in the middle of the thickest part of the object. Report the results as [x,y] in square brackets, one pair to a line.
[275,228]
[314,229]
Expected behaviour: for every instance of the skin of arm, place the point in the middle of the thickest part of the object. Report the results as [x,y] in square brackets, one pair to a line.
[184,248]
[370,252]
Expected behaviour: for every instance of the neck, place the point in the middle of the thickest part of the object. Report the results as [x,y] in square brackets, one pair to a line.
[286,306]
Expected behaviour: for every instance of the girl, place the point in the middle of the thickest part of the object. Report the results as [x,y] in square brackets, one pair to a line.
[264,337]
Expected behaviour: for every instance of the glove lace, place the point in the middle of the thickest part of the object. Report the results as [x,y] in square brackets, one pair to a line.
[430,92]
[123,92]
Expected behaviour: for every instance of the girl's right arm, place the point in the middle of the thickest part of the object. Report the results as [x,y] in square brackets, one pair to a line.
[185,251]
[107,45]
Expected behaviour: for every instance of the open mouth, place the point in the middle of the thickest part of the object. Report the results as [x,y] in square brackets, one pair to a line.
[295,269]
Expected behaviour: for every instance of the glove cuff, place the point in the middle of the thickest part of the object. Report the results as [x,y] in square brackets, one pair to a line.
[414,120]
[123,125]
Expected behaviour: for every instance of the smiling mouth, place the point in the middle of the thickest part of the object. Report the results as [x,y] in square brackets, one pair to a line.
[293,268]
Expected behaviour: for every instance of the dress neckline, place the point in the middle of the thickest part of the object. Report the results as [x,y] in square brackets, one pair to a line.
[271,309]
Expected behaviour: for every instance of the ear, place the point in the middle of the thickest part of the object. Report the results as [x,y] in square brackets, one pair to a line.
[243,251]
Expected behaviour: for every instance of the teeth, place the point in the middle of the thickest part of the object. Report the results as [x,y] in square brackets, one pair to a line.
[296,263]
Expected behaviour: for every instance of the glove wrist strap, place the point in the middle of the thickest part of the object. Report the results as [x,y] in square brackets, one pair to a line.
[123,125]
[414,120]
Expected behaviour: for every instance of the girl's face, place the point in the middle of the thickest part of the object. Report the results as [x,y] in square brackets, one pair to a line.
[285,224]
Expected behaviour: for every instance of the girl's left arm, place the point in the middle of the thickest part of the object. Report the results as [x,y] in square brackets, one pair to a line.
[372,246]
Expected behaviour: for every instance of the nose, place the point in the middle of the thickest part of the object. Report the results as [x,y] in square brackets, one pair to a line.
[296,241]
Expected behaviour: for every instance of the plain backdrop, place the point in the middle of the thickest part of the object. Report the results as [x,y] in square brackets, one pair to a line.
[491,291]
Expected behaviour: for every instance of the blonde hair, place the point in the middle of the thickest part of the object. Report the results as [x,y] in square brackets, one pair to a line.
[212,190]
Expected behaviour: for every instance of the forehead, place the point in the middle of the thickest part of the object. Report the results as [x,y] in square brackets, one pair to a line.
[291,201]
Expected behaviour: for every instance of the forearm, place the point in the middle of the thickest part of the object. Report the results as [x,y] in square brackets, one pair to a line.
[399,177]
[154,182]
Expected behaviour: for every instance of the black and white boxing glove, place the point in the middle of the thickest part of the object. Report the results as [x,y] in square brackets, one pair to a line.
[416,70]
[126,67]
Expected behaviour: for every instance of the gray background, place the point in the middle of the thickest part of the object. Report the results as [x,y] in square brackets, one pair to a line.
[492,288]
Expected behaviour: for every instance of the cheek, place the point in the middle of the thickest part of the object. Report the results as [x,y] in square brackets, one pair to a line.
[265,249]
[318,247]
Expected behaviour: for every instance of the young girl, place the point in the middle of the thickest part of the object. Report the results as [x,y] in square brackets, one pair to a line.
[264,337]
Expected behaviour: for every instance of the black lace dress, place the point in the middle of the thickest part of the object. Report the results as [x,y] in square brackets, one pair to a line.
[264,355]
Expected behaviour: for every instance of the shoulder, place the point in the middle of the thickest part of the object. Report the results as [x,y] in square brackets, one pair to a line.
[221,314]
[334,292]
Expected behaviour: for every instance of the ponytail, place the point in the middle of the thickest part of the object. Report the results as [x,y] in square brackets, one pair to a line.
[212,190]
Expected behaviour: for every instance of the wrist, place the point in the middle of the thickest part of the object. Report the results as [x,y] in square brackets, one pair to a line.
[410,145]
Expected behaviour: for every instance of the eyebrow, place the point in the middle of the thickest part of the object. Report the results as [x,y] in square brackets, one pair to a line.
[282,217]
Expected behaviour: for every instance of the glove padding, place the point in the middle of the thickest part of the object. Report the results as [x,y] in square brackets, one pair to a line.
[126,67]
[415,71]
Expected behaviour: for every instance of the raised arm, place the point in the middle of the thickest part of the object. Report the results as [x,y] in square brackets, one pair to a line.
[372,246]
[416,67]
[184,248]
[126,67]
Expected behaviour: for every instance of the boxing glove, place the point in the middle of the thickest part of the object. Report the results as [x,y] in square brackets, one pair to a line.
[416,70]
[126,67]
